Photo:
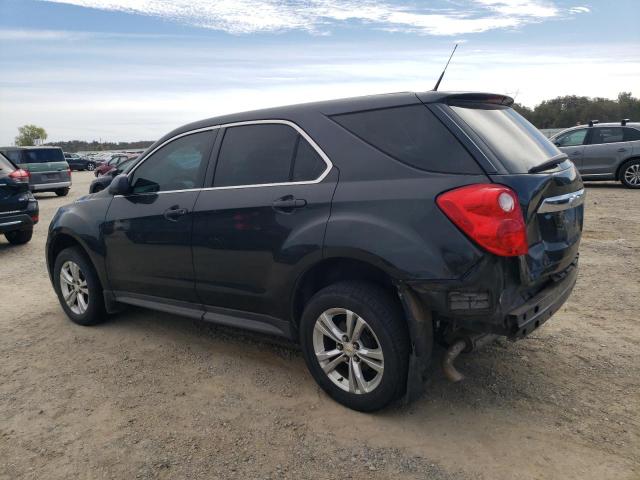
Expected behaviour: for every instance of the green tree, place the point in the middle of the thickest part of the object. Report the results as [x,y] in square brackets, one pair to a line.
[28,134]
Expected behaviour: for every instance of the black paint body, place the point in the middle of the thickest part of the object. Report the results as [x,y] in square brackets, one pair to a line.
[235,259]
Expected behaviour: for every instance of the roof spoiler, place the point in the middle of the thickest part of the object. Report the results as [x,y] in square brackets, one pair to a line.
[491,98]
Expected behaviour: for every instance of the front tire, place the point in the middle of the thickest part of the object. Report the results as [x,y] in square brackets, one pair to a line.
[19,237]
[91,167]
[62,192]
[356,345]
[78,287]
[630,173]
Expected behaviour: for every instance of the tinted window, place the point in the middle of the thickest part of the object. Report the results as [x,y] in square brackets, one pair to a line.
[516,142]
[572,139]
[308,165]
[178,165]
[264,154]
[605,135]
[412,135]
[43,155]
[631,134]
[13,155]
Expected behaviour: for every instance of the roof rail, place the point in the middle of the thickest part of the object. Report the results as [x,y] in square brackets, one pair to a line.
[593,122]
[624,121]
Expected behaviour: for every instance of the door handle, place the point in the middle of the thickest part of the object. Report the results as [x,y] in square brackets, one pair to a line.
[622,150]
[174,213]
[288,203]
[576,153]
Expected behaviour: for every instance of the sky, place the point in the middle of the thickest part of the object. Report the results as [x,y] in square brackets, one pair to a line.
[127,70]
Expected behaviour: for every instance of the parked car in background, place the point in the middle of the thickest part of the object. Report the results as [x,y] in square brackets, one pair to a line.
[103,181]
[362,228]
[18,206]
[48,170]
[111,164]
[604,151]
[76,162]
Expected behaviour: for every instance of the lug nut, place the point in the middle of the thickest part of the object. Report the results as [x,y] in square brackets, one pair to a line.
[345,338]
[356,359]
[356,345]
[339,346]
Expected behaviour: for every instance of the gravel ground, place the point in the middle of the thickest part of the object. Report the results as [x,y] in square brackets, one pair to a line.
[150,395]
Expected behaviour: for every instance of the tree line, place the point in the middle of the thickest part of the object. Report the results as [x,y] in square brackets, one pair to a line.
[95,146]
[570,110]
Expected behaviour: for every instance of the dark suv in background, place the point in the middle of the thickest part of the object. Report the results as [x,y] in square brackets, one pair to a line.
[18,207]
[364,228]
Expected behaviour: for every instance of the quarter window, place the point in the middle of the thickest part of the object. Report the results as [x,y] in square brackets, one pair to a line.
[178,165]
[264,154]
[606,135]
[412,135]
[631,134]
[572,139]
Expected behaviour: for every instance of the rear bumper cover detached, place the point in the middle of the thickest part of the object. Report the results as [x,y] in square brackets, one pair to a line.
[493,301]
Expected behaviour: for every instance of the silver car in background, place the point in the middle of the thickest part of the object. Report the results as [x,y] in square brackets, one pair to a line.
[604,151]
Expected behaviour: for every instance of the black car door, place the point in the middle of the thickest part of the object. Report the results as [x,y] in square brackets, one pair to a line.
[263,218]
[147,233]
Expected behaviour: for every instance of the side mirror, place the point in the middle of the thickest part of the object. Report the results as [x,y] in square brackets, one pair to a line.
[557,144]
[120,185]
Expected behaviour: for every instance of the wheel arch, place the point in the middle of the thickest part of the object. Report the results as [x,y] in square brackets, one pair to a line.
[622,164]
[62,240]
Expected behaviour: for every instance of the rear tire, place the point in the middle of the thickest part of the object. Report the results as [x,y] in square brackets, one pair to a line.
[62,192]
[361,361]
[630,173]
[19,237]
[91,167]
[78,287]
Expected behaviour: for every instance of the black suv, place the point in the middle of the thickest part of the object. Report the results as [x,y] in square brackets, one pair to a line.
[18,206]
[364,228]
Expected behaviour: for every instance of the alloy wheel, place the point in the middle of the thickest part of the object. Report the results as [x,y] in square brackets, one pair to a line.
[348,351]
[632,174]
[74,288]
[91,167]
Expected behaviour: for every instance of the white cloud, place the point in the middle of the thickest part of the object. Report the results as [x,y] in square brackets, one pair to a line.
[319,16]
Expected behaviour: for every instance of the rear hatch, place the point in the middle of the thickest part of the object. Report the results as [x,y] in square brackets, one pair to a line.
[548,185]
[46,165]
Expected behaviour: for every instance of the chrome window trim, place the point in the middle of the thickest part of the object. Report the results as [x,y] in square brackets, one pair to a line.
[562,202]
[293,125]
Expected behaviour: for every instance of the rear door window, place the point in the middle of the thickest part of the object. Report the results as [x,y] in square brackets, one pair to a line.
[517,143]
[265,154]
[601,135]
[412,135]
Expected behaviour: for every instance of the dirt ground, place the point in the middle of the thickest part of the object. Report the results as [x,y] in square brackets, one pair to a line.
[150,395]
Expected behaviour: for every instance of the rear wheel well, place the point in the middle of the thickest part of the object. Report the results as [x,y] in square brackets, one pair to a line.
[619,171]
[334,270]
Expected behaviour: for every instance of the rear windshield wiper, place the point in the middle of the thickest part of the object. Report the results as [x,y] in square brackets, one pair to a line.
[552,162]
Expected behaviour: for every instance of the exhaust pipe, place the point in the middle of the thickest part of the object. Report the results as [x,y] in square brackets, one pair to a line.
[465,344]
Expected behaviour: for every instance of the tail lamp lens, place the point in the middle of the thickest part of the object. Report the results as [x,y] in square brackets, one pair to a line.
[20,175]
[490,215]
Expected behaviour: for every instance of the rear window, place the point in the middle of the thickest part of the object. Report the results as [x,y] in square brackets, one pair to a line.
[517,143]
[41,155]
[412,135]
[5,165]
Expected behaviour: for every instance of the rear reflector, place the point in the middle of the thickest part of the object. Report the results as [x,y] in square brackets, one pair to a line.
[490,215]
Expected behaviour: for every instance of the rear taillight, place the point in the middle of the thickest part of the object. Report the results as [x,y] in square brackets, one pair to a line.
[69,171]
[20,175]
[490,215]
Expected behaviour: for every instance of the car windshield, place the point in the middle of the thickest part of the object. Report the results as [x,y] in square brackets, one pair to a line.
[517,143]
